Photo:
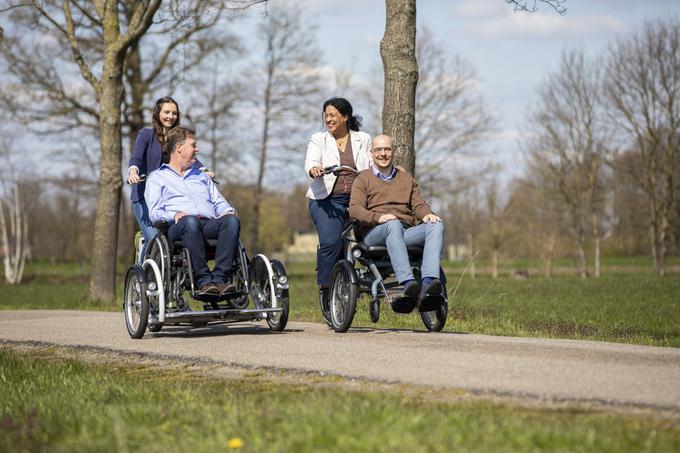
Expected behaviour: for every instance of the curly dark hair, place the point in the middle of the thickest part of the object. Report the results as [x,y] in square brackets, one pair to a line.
[345,108]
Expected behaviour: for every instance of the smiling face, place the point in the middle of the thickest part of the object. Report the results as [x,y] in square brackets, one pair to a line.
[383,152]
[336,122]
[168,115]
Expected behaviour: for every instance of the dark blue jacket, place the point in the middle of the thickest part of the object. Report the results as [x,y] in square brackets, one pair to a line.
[147,157]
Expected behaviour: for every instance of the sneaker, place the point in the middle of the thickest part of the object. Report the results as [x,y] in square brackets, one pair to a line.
[209,289]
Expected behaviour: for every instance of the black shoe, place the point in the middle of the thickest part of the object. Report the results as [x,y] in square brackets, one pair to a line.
[412,289]
[209,289]
[325,303]
[408,300]
[431,296]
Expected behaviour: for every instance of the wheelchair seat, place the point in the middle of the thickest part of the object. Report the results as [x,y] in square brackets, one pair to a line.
[210,244]
[379,251]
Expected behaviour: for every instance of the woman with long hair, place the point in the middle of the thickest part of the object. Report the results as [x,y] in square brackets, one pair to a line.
[147,155]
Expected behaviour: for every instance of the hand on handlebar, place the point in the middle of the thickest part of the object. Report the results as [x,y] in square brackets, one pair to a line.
[135,178]
[317,171]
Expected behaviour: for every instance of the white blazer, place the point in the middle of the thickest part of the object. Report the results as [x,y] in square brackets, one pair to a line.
[323,151]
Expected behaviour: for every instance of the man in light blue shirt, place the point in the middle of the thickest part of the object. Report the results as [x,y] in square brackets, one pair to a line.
[188,199]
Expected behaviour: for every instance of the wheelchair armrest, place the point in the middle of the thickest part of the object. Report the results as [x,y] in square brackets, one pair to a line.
[352,232]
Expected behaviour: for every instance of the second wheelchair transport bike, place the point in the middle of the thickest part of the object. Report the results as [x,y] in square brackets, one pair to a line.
[368,270]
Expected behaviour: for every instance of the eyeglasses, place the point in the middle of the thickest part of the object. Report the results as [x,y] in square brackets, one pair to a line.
[387,149]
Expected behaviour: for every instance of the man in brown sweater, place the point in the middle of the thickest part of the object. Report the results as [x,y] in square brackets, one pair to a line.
[388,205]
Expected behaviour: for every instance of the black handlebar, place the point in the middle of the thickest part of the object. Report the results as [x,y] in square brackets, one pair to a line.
[336,169]
[143,178]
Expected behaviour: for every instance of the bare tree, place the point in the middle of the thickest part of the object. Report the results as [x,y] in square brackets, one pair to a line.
[452,119]
[289,87]
[398,52]
[643,92]
[401,72]
[99,37]
[569,145]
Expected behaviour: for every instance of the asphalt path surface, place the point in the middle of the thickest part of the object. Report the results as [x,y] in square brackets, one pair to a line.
[544,370]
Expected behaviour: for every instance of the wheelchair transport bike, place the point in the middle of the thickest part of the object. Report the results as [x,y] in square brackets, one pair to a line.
[367,270]
[154,294]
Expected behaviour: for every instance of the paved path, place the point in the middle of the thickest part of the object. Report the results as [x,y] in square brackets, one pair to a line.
[537,369]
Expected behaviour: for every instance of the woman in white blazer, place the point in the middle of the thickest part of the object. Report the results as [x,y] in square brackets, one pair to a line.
[341,144]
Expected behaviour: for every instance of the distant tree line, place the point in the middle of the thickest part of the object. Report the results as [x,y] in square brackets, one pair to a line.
[600,146]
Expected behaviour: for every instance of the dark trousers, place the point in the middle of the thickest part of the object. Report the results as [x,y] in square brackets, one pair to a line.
[193,232]
[329,217]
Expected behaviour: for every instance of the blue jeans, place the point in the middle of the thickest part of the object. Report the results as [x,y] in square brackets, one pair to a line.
[329,217]
[430,235]
[141,213]
[193,232]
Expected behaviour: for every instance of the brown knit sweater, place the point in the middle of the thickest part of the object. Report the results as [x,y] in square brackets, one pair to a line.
[372,197]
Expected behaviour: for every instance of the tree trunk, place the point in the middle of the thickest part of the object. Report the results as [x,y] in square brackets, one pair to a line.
[494,263]
[582,263]
[596,244]
[103,276]
[257,204]
[658,250]
[471,248]
[398,52]
[135,117]
[550,253]
[14,238]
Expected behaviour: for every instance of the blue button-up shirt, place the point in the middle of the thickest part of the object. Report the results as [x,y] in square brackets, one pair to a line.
[168,193]
[379,174]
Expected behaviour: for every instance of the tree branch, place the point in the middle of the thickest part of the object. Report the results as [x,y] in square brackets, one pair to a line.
[522,5]
[75,47]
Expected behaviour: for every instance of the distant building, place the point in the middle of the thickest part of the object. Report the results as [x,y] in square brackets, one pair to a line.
[303,247]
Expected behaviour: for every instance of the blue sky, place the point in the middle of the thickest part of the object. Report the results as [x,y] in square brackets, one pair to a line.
[511,52]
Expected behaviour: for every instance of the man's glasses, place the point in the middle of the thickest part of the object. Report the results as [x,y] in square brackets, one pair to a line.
[387,149]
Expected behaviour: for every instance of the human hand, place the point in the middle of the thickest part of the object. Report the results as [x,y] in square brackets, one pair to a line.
[133,175]
[210,174]
[315,172]
[386,218]
[179,215]
[431,218]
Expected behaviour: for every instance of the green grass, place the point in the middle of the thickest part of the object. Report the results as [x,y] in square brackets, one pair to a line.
[628,307]
[627,304]
[54,404]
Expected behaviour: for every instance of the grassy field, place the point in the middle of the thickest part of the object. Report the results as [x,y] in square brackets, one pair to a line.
[115,407]
[627,304]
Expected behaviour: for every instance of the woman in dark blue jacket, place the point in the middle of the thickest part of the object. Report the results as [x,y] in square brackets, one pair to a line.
[147,156]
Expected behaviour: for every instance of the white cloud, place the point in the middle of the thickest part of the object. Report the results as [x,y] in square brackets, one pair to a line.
[519,25]
[496,19]
[479,8]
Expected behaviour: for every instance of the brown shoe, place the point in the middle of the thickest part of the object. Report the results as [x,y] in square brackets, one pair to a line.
[225,288]
[209,289]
